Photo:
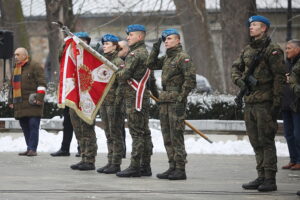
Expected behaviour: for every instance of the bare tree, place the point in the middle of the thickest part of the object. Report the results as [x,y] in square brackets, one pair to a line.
[12,19]
[54,13]
[198,40]
[234,15]
[68,14]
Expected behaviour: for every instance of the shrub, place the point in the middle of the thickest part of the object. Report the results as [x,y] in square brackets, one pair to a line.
[199,106]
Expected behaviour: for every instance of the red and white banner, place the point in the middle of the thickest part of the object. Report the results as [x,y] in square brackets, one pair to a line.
[84,80]
[139,87]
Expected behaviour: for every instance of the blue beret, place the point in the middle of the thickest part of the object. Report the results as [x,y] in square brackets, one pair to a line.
[135,27]
[82,34]
[109,38]
[167,32]
[259,18]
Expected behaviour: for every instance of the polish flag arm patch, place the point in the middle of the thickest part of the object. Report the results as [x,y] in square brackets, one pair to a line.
[186,60]
[274,52]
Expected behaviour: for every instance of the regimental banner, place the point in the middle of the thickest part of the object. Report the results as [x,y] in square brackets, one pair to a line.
[84,79]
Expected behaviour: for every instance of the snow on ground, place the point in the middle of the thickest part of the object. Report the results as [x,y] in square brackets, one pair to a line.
[49,142]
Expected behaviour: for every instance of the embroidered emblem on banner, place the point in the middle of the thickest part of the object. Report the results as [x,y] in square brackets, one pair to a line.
[85,76]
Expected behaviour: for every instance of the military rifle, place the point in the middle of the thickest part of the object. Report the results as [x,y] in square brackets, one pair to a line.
[249,79]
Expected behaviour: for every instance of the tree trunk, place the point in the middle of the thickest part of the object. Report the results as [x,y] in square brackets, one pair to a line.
[289,21]
[198,40]
[69,18]
[54,10]
[235,34]
[12,19]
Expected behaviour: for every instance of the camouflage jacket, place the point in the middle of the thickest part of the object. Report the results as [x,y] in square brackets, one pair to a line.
[135,67]
[295,83]
[111,95]
[270,73]
[178,73]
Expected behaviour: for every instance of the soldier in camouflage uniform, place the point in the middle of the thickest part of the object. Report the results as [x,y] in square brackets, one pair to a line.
[85,133]
[135,67]
[112,120]
[262,104]
[151,85]
[178,79]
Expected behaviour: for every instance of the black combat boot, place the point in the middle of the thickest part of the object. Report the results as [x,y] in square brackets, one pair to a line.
[146,170]
[130,172]
[101,170]
[112,169]
[253,185]
[86,166]
[60,153]
[76,166]
[165,175]
[178,174]
[298,193]
[268,185]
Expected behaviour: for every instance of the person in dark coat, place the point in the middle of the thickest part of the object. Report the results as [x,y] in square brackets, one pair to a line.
[28,88]
[291,107]
[293,79]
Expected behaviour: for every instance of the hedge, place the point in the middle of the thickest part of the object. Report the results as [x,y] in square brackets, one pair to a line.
[205,107]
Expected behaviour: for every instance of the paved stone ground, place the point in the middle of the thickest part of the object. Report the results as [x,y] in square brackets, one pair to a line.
[209,177]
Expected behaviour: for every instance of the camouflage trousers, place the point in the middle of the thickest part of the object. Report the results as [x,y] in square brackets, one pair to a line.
[113,121]
[172,117]
[86,136]
[261,129]
[140,133]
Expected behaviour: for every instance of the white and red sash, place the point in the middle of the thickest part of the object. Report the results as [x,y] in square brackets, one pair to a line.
[139,87]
